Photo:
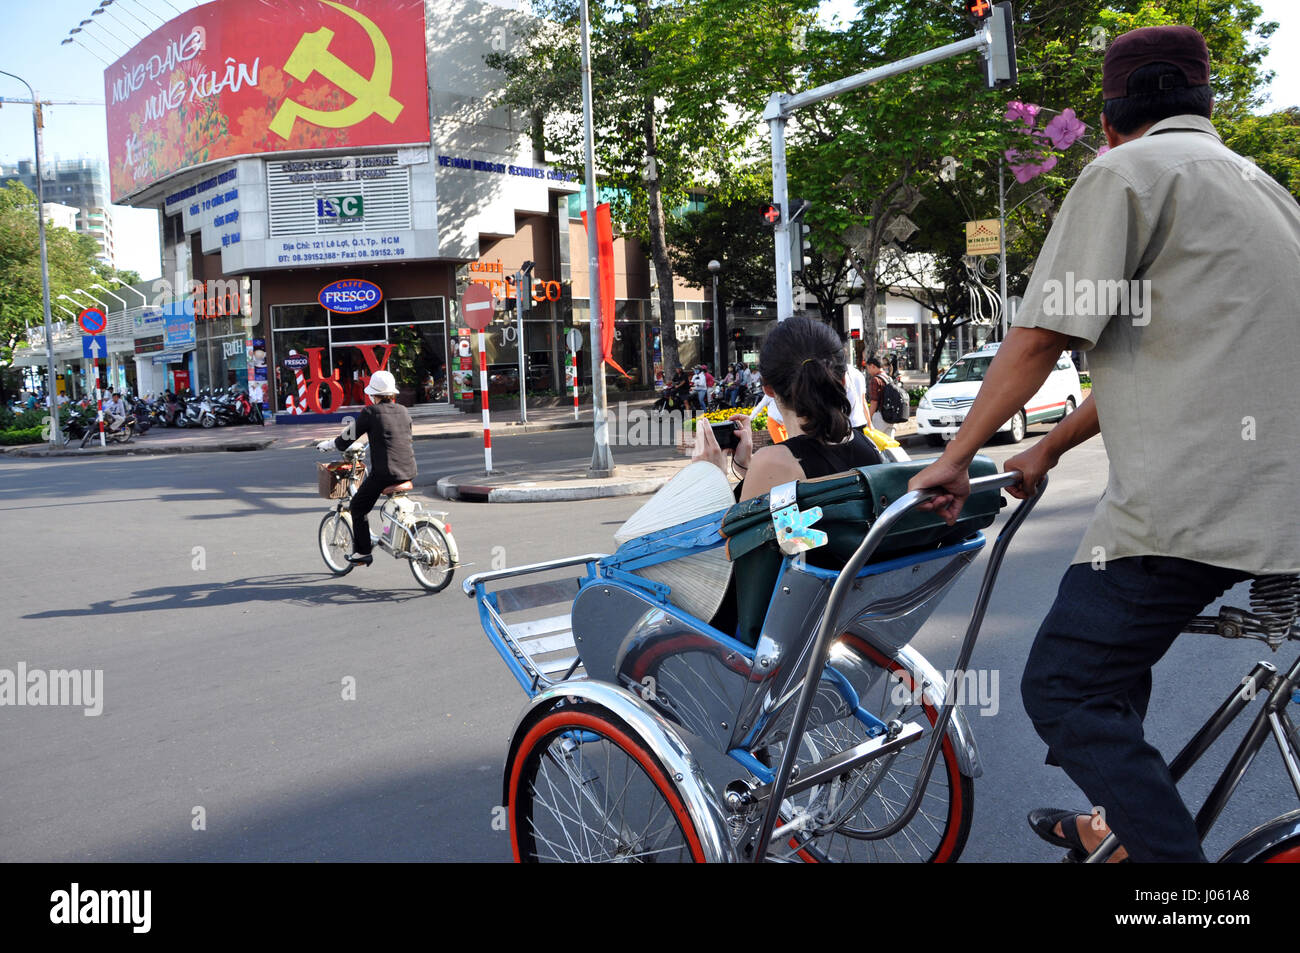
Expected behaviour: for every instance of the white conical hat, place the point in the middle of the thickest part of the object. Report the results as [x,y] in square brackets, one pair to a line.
[698,582]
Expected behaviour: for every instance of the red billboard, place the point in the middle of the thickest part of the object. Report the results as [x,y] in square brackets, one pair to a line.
[242,77]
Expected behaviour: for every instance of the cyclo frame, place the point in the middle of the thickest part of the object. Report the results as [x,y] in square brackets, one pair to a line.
[828,629]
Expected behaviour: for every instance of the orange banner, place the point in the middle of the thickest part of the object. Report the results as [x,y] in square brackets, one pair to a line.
[605,259]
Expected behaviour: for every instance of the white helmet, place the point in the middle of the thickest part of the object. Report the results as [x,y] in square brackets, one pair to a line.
[381,384]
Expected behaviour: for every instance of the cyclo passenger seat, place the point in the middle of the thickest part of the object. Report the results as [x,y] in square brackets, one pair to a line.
[850,503]
[398,488]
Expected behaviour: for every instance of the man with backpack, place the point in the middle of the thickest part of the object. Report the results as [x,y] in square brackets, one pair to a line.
[889,403]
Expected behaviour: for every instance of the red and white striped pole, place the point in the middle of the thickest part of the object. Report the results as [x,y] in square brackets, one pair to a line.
[483,389]
[99,400]
[573,363]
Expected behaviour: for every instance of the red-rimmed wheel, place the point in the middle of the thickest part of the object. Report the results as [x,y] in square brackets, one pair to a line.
[875,794]
[1287,852]
[583,788]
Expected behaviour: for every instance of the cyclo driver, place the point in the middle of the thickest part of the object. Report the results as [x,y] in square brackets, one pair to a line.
[392,458]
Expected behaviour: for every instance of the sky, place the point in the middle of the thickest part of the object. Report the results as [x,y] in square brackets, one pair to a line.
[31,49]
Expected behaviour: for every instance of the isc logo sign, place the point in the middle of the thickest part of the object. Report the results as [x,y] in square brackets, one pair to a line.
[341,207]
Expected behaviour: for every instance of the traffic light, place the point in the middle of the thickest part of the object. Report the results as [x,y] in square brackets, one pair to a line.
[798,232]
[771,214]
[979,9]
[1001,59]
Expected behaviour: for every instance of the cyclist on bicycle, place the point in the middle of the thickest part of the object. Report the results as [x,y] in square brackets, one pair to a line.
[392,458]
[1181,520]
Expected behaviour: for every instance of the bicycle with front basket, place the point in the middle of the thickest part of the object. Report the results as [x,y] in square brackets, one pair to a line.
[406,529]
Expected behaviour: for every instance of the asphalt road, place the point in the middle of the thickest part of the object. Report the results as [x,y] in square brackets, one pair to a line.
[195,584]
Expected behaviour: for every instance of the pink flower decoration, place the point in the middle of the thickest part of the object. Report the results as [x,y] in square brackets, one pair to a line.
[1029,166]
[1065,130]
[1025,112]
[1103,150]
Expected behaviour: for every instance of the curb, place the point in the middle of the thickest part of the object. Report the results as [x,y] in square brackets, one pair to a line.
[514,429]
[144,450]
[450,488]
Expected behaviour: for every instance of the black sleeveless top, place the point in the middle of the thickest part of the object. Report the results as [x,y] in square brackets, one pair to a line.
[819,459]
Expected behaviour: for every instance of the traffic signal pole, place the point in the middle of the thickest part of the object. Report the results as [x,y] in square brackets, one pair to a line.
[781,107]
[997,39]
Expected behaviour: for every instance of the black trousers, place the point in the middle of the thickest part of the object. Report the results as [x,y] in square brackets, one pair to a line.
[363,501]
[1087,683]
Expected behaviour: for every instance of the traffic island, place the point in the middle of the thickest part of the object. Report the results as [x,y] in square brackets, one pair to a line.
[560,484]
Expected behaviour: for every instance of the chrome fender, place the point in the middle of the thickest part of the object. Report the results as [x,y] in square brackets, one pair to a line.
[959,730]
[702,802]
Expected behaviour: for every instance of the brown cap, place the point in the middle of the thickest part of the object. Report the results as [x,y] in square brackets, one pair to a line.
[1180,46]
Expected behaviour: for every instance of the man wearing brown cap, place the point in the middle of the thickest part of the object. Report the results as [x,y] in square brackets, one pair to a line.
[1176,263]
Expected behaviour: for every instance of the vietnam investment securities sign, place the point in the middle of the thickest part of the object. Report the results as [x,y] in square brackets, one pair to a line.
[984,237]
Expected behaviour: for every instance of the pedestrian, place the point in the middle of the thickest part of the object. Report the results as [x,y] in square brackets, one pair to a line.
[855,385]
[876,384]
[700,388]
[1181,521]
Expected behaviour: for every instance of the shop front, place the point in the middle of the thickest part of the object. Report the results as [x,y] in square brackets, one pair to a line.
[322,359]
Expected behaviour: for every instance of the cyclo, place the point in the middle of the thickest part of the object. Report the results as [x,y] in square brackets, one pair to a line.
[816,733]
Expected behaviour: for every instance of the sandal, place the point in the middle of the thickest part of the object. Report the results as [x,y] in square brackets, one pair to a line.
[1043,822]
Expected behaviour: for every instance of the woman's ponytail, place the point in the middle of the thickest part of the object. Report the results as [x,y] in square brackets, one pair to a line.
[803,361]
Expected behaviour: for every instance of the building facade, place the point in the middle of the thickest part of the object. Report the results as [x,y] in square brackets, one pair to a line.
[284,196]
[80,183]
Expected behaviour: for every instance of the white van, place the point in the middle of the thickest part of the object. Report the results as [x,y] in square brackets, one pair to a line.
[944,406]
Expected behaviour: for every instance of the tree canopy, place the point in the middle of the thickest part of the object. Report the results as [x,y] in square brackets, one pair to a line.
[72,265]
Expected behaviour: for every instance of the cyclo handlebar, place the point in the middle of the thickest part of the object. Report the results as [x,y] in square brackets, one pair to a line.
[826,633]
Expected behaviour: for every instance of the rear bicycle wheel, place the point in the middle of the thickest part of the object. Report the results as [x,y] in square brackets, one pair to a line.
[583,788]
[430,556]
[335,538]
[1287,852]
[876,793]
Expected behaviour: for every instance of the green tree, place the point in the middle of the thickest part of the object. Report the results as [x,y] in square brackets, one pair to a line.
[72,265]
[675,99]
[724,230]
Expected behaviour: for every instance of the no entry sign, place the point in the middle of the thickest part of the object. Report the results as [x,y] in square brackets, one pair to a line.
[476,307]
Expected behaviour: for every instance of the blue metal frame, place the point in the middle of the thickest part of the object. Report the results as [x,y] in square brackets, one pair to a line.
[483,599]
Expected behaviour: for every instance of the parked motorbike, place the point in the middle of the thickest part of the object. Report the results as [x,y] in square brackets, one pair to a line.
[120,434]
[143,416]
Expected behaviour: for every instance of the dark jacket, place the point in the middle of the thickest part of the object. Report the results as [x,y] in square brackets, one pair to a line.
[389,427]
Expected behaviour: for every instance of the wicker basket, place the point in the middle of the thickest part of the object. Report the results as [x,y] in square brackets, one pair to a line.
[332,478]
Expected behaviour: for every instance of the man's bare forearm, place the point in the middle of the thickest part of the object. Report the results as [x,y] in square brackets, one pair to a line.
[1073,430]
[1022,363]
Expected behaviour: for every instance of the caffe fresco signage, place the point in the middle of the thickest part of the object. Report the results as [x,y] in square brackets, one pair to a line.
[350,296]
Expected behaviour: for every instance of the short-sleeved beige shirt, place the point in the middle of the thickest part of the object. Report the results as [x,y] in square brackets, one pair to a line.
[1177,263]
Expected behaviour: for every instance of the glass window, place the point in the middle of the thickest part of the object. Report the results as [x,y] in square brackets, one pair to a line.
[290,349]
[414,310]
[298,316]
[970,369]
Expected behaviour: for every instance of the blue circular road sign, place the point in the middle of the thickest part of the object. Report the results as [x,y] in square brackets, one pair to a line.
[92,321]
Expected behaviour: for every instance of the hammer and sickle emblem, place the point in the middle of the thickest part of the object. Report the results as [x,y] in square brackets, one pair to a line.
[372,95]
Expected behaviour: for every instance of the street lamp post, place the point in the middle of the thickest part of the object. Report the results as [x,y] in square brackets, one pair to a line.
[715,266]
[55,437]
[111,295]
[602,460]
